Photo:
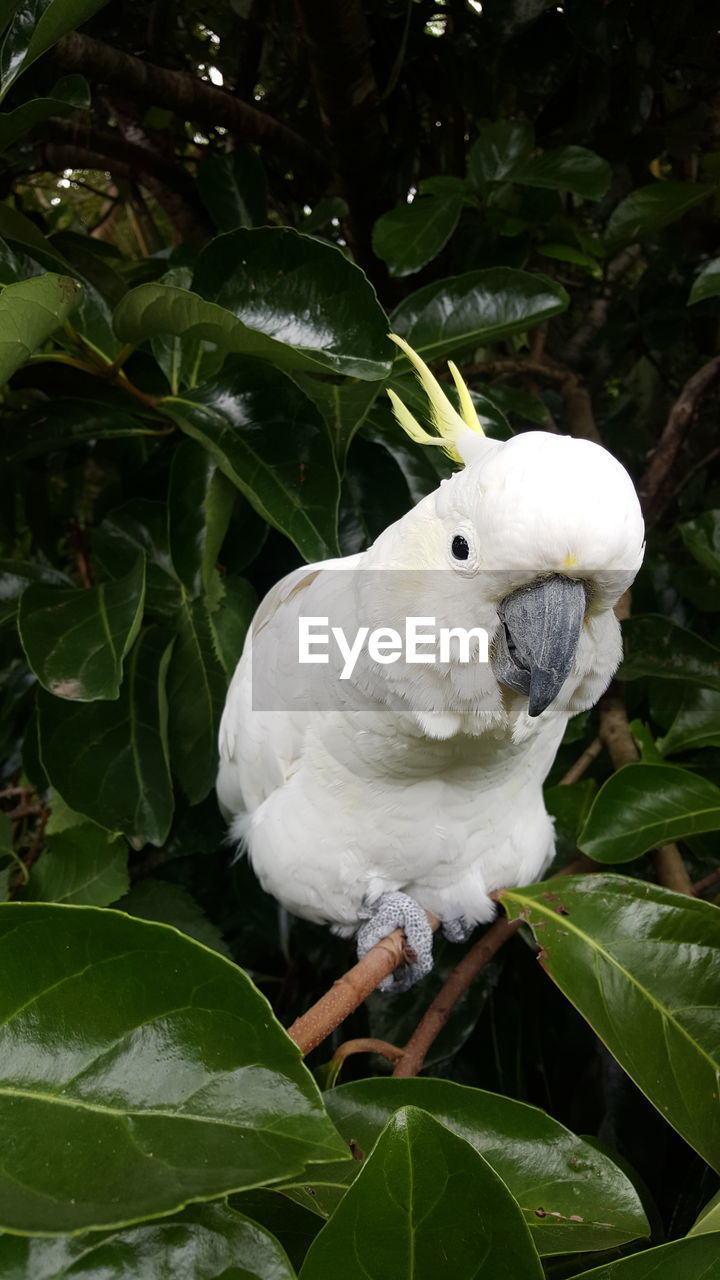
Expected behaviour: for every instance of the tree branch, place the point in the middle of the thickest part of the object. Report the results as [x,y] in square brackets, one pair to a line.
[439,1010]
[616,735]
[576,397]
[188,97]
[657,486]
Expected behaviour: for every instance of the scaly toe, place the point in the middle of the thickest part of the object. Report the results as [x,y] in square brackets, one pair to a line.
[457,930]
[398,911]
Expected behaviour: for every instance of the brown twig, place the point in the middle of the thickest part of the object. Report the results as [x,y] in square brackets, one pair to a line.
[367,1045]
[616,734]
[656,487]
[582,764]
[350,990]
[576,397]
[439,1010]
[707,882]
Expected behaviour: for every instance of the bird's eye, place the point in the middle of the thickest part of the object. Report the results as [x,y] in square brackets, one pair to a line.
[460,548]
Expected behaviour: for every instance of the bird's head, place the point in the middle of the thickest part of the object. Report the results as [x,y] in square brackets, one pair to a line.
[535,540]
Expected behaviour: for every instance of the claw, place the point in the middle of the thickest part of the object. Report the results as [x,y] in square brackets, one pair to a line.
[457,930]
[398,911]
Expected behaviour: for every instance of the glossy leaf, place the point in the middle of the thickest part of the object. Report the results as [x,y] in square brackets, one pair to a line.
[30,312]
[196,688]
[176,1085]
[655,646]
[76,641]
[84,865]
[475,308]
[696,722]
[649,208]
[232,188]
[140,525]
[301,301]
[166,903]
[702,539]
[61,423]
[109,760]
[642,965]
[231,620]
[204,1242]
[200,502]
[678,1260]
[425,1204]
[36,26]
[708,1220]
[556,1178]
[274,446]
[565,169]
[410,236]
[707,284]
[343,405]
[66,96]
[643,805]
[499,146]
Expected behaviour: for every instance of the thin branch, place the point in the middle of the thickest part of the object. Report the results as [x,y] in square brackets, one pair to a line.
[181,92]
[439,1010]
[366,1045]
[576,397]
[616,735]
[707,882]
[582,764]
[350,990]
[657,486]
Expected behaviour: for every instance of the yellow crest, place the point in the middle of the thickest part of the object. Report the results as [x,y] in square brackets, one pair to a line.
[449,424]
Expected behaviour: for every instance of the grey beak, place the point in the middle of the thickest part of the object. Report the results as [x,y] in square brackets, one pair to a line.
[537,638]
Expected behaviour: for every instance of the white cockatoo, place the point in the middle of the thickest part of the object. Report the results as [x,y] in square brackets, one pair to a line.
[370,786]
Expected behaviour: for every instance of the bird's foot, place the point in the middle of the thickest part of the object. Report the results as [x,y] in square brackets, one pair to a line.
[457,930]
[398,911]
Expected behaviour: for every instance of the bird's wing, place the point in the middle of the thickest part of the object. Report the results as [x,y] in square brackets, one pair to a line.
[259,742]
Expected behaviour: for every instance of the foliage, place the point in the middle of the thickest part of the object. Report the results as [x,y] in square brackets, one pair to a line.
[196,283]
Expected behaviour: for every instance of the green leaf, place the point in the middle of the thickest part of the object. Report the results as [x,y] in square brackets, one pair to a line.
[707,284]
[84,865]
[200,502]
[696,722]
[479,307]
[702,539]
[169,903]
[76,641]
[643,805]
[568,253]
[177,1084]
[36,26]
[271,442]
[296,301]
[652,207]
[565,169]
[30,312]
[642,965]
[109,760]
[425,1204]
[679,1260]
[60,423]
[655,646]
[708,1219]
[140,525]
[66,97]
[343,405]
[204,1242]
[232,188]
[546,1168]
[498,148]
[413,234]
[196,689]
[231,620]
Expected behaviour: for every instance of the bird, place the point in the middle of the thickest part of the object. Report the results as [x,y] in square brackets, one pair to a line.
[369,787]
